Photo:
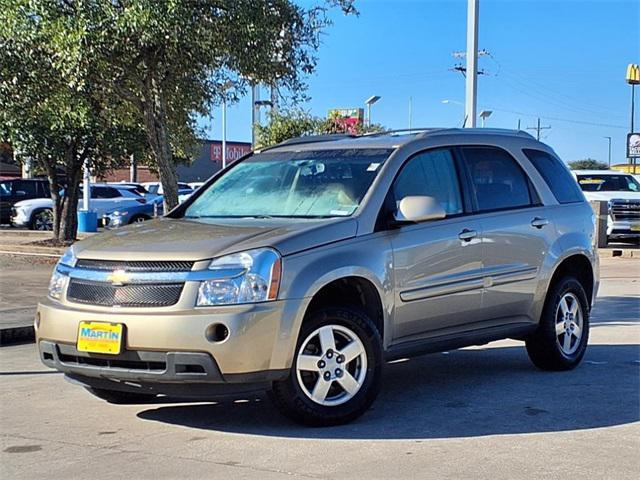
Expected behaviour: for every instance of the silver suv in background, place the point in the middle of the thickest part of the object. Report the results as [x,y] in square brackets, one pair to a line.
[302,268]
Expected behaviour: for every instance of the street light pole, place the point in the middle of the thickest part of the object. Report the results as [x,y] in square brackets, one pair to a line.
[609,138]
[370,101]
[472,63]
[224,131]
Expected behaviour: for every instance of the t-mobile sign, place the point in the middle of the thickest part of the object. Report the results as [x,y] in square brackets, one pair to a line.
[235,150]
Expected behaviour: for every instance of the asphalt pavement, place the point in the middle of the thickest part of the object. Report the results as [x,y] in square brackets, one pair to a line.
[482,412]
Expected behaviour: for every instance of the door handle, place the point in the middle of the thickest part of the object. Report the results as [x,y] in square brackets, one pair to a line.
[539,222]
[466,235]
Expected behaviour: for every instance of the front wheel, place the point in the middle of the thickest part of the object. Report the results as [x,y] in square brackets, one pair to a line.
[335,375]
[42,220]
[561,339]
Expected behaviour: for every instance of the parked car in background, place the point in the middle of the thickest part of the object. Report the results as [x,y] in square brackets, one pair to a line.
[360,250]
[621,191]
[37,214]
[155,188]
[13,190]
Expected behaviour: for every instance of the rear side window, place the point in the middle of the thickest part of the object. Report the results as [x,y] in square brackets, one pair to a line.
[498,181]
[28,188]
[562,184]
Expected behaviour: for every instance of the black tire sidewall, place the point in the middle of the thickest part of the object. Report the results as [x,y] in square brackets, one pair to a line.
[544,343]
[293,401]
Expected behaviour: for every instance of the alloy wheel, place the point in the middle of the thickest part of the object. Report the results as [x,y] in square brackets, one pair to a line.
[331,365]
[569,323]
[44,220]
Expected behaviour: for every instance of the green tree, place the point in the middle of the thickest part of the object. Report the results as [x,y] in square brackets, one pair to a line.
[53,108]
[170,59]
[588,164]
[296,123]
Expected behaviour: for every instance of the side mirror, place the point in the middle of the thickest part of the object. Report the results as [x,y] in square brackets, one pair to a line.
[416,209]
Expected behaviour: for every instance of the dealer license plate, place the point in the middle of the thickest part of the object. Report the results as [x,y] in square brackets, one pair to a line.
[100,337]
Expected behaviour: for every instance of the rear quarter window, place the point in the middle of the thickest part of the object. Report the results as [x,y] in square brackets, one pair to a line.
[556,175]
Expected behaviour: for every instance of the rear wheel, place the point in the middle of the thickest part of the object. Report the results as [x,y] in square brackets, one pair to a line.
[42,220]
[139,219]
[336,371]
[561,339]
[121,398]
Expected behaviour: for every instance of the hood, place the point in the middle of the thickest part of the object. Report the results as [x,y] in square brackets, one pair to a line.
[179,239]
[606,196]
[35,203]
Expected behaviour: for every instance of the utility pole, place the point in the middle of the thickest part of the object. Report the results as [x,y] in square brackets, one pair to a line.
[472,63]
[538,128]
[254,113]
[609,138]
[410,113]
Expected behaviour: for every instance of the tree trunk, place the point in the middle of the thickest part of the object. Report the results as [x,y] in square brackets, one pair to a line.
[68,209]
[155,119]
[54,187]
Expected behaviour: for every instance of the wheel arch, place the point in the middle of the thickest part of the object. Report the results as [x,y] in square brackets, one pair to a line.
[580,266]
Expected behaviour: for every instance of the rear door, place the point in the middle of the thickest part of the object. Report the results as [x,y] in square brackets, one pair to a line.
[437,264]
[517,233]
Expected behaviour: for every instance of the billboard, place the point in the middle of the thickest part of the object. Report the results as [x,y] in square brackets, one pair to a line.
[633,145]
[348,117]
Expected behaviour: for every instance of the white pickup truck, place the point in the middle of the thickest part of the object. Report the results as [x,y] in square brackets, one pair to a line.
[622,192]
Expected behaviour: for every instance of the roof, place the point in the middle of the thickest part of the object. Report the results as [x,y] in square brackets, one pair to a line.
[389,139]
[599,172]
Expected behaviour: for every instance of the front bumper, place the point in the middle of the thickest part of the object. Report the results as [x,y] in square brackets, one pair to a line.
[19,218]
[623,229]
[186,374]
[259,346]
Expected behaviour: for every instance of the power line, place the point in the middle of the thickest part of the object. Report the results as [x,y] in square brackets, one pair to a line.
[538,128]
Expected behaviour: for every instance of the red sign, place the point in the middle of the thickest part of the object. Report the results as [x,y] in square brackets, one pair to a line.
[234,151]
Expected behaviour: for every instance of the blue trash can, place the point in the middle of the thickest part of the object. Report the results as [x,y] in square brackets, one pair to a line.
[87,221]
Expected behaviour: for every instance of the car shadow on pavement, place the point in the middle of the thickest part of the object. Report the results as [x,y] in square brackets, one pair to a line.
[463,393]
[626,309]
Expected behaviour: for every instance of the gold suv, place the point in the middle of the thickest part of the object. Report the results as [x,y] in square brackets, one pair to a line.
[301,269]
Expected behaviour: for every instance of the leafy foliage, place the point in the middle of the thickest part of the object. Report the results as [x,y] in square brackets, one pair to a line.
[53,108]
[296,123]
[588,164]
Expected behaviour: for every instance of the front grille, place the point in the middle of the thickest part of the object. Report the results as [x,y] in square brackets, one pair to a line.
[625,210]
[136,266]
[137,295]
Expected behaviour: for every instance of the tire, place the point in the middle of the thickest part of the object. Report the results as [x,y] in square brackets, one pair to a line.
[333,404]
[548,347]
[42,220]
[121,398]
[138,219]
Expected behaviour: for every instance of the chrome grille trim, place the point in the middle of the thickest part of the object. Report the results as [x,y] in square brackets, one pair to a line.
[135,266]
[107,295]
[625,210]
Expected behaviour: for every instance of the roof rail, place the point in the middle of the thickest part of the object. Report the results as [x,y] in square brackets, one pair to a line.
[410,131]
[311,139]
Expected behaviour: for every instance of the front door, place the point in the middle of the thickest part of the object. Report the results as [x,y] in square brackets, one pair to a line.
[438,264]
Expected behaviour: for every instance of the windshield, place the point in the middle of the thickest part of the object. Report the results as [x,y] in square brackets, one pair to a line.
[608,183]
[325,183]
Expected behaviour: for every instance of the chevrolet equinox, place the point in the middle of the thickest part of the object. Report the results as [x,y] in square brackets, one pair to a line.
[302,268]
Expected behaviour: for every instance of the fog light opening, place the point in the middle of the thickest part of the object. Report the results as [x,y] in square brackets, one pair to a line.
[217,333]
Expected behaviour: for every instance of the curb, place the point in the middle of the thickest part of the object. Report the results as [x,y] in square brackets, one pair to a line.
[13,335]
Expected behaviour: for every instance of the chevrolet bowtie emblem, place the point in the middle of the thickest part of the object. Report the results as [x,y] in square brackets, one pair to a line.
[118,277]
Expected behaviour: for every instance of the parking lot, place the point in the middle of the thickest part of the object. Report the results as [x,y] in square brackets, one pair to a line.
[481,412]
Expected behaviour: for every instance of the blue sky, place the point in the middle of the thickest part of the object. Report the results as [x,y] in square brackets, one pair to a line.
[562,60]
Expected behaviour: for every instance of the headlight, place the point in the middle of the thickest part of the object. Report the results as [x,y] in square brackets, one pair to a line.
[119,213]
[57,283]
[68,258]
[246,277]
[58,279]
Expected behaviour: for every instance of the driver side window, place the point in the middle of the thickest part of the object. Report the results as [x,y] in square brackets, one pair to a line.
[432,173]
